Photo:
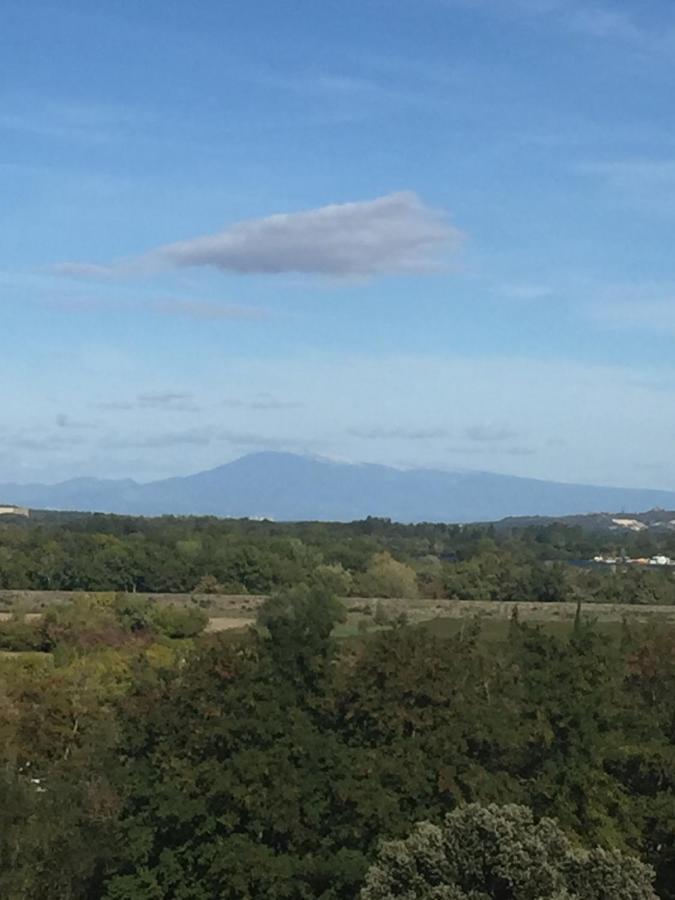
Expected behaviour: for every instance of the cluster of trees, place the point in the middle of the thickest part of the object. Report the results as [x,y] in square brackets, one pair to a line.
[276,764]
[88,623]
[374,557]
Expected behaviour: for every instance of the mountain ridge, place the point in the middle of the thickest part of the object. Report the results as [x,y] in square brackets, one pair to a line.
[289,487]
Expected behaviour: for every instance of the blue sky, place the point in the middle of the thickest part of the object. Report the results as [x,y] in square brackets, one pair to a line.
[416,232]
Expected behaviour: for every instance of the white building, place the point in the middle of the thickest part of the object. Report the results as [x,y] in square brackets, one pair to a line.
[7,510]
[660,561]
[631,524]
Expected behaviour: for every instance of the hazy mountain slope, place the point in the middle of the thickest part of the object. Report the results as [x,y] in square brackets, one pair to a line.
[78,493]
[285,486]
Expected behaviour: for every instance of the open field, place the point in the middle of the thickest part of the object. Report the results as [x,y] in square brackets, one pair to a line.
[229,612]
[215,604]
[422,610]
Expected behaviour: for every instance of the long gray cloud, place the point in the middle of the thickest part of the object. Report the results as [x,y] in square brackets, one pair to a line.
[206,436]
[396,433]
[396,233]
[63,420]
[263,401]
[169,401]
[489,433]
[43,443]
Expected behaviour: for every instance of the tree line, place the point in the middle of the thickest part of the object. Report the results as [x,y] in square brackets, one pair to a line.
[374,557]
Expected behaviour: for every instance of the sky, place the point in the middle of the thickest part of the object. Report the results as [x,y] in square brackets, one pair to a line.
[432,233]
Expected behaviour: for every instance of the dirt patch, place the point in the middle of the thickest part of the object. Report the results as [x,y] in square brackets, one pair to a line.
[222,623]
[5,616]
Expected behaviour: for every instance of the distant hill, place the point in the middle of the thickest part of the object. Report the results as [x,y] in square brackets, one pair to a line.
[284,486]
[657,519]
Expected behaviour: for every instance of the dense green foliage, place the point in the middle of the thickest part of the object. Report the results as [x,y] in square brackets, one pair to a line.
[501,853]
[272,765]
[374,557]
[106,621]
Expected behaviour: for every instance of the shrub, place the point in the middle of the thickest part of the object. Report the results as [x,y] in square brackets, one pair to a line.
[177,621]
[17,634]
[208,584]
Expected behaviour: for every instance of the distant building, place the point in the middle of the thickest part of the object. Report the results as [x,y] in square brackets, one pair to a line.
[660,561]
[628,561]
[631,524]
[8,510]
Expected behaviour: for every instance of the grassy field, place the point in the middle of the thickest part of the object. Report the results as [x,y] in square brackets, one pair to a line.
[365,615]
[215,604]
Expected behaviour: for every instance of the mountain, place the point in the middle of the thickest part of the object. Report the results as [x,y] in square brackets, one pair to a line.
[284,486]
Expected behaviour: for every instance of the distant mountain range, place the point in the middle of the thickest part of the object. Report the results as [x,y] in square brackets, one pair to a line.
[284,486]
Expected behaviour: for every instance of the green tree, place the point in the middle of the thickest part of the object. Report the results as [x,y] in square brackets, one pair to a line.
[501,853]
[333,579]
[387,577]
[299,623]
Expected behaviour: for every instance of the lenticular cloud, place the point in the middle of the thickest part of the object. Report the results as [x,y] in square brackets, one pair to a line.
[392,234]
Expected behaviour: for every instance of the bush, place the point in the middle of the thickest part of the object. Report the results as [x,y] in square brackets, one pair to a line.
[83,625]
[177,621]
[208,584]
[386,577]
[381,616]
[17,634]
[133,612]
[333,579]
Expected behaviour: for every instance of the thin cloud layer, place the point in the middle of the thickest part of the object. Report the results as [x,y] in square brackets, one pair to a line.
[168,401]
[206,436]
[396,433]
[63,420]
[599,21]
[393,234]
[489,433]
[263,401]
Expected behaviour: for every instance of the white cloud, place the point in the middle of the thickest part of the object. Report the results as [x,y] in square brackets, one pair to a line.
[393,234]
